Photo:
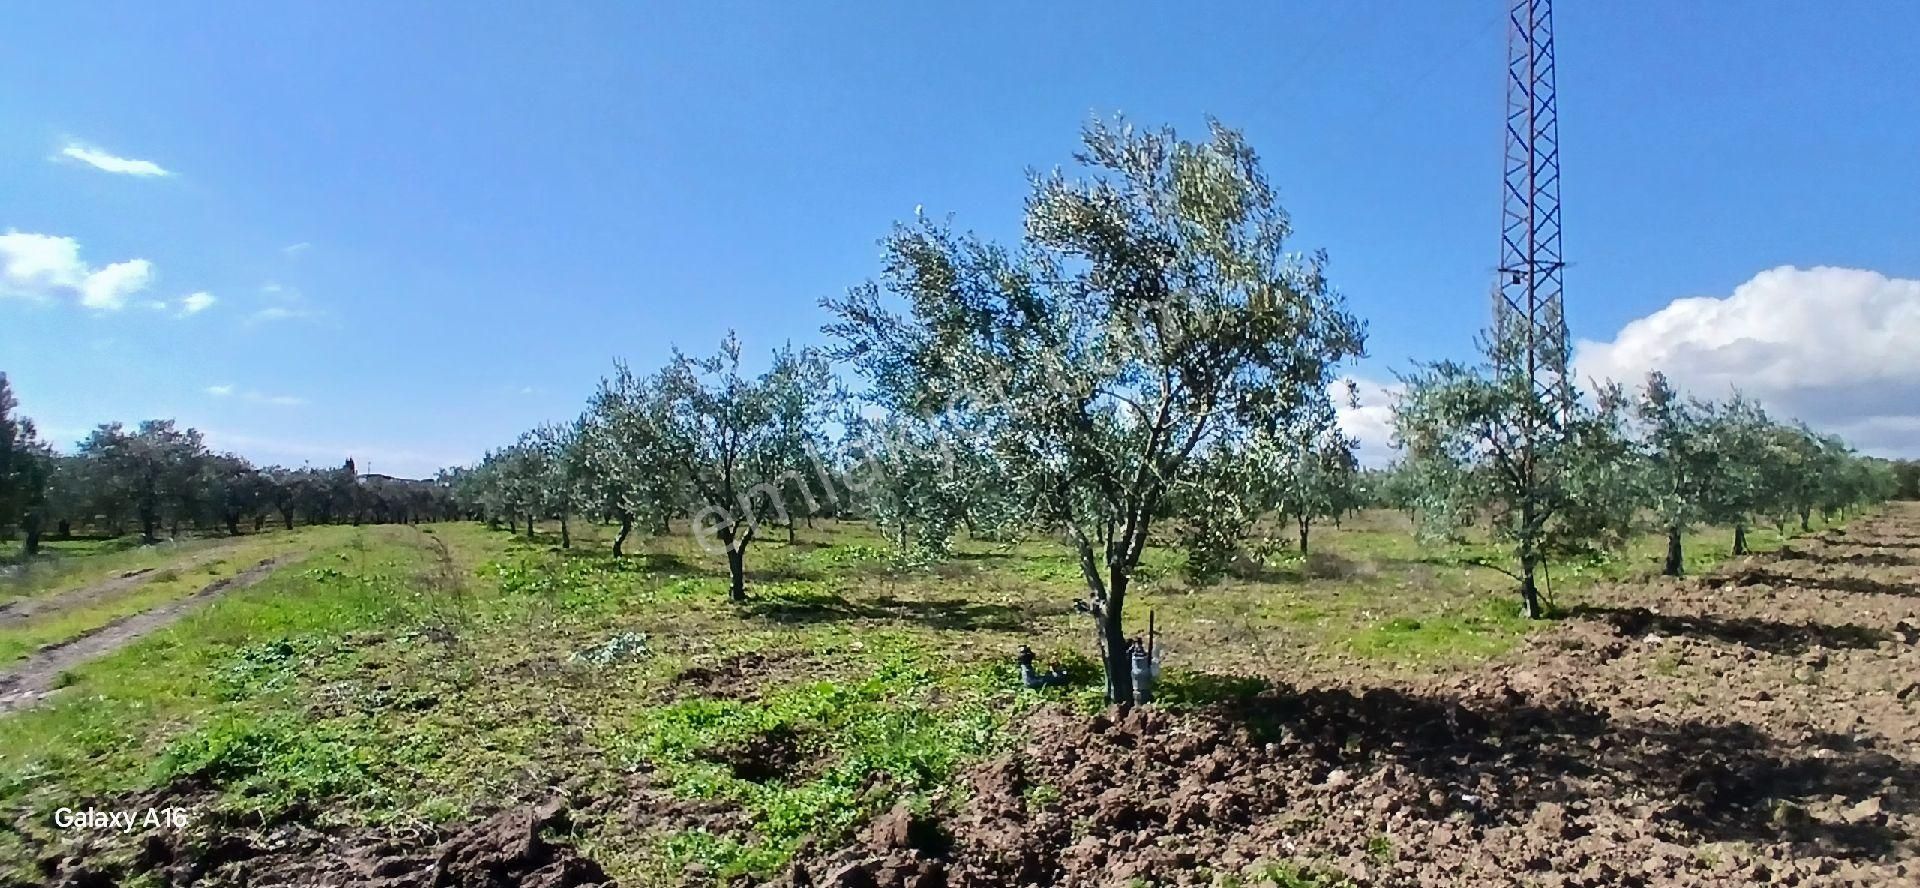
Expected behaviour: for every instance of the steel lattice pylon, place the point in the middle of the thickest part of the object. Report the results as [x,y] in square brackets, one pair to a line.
[1530,327]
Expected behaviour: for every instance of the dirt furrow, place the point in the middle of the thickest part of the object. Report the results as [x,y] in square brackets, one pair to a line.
[20,609]
[1755,727]
[33,678]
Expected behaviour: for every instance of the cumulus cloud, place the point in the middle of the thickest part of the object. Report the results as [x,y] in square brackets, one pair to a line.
[1364,408]
[220,391]
[1836,347]
[101,160]
[44,266]
[195,303]
[108,288]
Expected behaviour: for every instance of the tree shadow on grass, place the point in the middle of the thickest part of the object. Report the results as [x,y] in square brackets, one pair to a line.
[1268,571]
[665,563]
[781,573]
[1723,781]
[1771,636]
[661,563]
[992,555]
[1187,689]
[541,538]
[952,614]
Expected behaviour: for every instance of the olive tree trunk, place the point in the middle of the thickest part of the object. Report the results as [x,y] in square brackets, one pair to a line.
[620,539]
[1113,638]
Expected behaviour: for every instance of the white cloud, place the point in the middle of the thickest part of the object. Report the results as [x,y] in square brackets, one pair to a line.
[37,262]
[101,160]
[368,457]
[227,390]
[288,304]
[195,303]
[108,288]
[44,266]
[278,313]
[1837,347]
[1364,408]
[296,249]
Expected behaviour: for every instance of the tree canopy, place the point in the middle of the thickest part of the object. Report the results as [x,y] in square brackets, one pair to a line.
[1150,314]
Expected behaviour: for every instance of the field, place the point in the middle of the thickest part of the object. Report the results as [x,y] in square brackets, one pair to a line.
[396,705]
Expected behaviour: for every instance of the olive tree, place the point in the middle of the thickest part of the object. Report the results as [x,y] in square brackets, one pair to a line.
[1739,430]
[1686,472]
[731,440]
[1546,479]
[27,466]
[907,479]
[556,473]
[1150,313]
[1802,466]
[1320,479]
[1295,476]
[625,472]
[151,470]
[236,491]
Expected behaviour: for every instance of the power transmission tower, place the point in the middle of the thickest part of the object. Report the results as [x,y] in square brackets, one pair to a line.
[1529,320]
[1530,327]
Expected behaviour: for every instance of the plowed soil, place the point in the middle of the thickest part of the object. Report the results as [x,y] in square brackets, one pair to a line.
[1761,726]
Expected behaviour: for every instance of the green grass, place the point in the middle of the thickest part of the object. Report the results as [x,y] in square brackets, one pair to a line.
[64,566]
[195,700]
[1286,875]
[22,637]
[809,760]
[415,676]
[1477,630]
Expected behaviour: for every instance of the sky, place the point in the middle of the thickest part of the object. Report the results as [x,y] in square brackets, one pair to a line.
[407,232]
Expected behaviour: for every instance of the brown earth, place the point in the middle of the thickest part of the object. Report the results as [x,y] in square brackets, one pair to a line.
[37,675]
[508,850]
[739,676]
[20,609]
[1758,727]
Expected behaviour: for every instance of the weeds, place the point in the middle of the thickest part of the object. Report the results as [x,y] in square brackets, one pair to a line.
[812,759]
[426,677]
[268,766]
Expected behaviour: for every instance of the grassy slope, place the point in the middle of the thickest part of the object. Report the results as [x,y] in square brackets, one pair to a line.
[65,565]
[408,675]
[20,638]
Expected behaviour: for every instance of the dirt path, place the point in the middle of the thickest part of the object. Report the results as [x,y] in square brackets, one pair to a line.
[20,609]
[34,677]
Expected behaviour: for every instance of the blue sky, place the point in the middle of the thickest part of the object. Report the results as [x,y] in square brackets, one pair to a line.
[421,229]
